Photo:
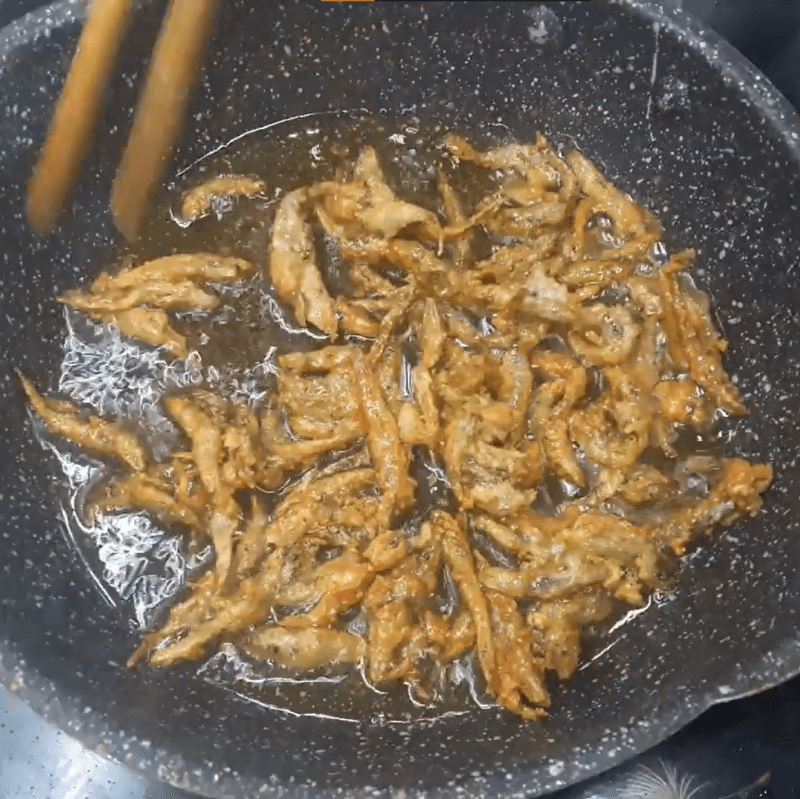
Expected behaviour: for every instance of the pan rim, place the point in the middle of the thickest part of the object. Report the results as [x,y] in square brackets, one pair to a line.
[782,120]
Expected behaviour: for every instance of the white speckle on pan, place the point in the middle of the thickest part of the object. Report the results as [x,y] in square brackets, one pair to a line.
[538,33]
[557,769]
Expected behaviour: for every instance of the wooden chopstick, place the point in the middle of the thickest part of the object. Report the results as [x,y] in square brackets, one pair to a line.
[159,116]
[75,116]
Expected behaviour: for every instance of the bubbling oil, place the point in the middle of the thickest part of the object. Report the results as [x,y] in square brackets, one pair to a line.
[233,349]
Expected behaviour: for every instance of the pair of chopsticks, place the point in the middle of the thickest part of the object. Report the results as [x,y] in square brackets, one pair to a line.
[157,122]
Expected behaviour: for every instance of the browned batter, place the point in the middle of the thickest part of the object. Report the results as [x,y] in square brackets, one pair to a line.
[548,380]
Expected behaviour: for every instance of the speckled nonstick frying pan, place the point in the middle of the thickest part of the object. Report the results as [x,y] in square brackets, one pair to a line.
[672,114]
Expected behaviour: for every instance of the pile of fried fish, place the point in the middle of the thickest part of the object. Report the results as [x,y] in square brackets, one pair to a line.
[548,382]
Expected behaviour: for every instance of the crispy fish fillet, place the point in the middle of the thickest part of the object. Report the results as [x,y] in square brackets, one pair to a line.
[517,680]
[199,267]
[520,157]
[395,603]
[456,218]
[182,294]
[367,206]
[160,284]
[460,562]
[629,218]
[391,456]
[293,269]
[304,650]
[163,283]
[141,491]
[150,326]
[194,628]
[693,341]
[528,352]
[207,440]
[199,201]
[333,588]
[298,511]
[63,419]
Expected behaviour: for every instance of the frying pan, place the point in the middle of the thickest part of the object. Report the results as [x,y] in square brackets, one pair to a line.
[671,113]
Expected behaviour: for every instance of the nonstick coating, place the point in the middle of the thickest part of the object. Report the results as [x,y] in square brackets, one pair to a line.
[673,115]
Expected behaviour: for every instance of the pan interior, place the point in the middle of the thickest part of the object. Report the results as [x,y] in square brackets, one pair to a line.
[654,106]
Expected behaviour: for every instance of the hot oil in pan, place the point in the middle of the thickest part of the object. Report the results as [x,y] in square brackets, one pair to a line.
[286,158]
[233,352]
